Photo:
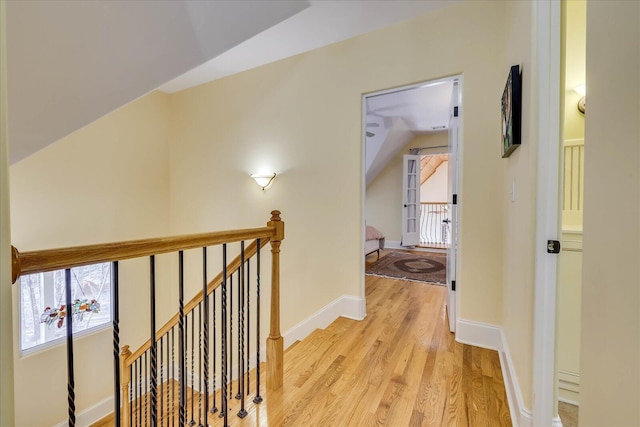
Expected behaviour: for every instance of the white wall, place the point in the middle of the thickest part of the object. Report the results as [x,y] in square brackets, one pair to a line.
[6,322]
[106,182]
[610,341]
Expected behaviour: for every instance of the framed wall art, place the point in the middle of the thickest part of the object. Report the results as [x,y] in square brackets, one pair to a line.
[512,112]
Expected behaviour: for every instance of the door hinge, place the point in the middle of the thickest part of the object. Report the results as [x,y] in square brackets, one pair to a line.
[553,246]
[453,285]
[455,199]
[455,111]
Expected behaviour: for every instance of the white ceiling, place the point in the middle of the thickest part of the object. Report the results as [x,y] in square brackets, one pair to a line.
[394,118]
[424,109]
[324,23]
[71,62]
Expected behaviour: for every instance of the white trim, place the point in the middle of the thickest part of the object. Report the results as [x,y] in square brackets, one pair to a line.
[575,142]
[556,422]
[393,244]
[92,414]
[569,401]
[520,415]
[548,60]
[479,334]
[346,306]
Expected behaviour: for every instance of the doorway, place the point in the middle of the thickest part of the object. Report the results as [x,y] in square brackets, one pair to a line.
[403,129]
[569,281]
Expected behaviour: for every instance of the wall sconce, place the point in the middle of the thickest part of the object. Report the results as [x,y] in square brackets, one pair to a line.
[264,180]
[582,102]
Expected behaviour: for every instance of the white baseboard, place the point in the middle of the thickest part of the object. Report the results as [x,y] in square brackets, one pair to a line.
[394,244]
[345,306]
[91,414]
[492,337]
[479,334]
[556,422]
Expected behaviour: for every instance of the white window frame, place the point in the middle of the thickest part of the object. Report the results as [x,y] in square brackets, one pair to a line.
[47,289]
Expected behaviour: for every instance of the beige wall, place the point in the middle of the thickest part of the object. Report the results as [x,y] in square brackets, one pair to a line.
[519,215]
[105,182]
[6,323]
[434,189]
[575,19]
[610,341]
[302,118]
[383,199]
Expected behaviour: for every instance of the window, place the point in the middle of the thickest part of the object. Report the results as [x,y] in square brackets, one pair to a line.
[43,304]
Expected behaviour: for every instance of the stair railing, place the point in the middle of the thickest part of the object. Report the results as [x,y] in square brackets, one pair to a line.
[158,398]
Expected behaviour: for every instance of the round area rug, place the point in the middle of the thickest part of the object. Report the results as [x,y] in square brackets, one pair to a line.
[424,267]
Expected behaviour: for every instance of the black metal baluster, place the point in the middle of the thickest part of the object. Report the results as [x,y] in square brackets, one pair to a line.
[71,394]
[193,367]
[258,398]
[230,348]
[181,385]
[200,362]
[205,336]
[239,331]
[115,316]
[243,411]
[223,367]
[161,384]
[214,408]
[248,296]
[139,391]
[146,387]
[173,377]
[165,412]
[153,350]
[131,388]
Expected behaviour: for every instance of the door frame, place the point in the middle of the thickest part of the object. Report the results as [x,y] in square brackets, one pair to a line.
[363,182]
[547,84]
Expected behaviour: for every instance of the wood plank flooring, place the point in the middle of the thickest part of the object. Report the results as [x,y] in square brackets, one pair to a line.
[399,367]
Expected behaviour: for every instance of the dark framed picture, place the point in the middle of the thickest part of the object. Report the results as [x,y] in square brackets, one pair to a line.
[511,112]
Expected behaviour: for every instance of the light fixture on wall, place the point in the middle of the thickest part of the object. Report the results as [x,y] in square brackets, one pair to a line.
[582,102]
[264,180]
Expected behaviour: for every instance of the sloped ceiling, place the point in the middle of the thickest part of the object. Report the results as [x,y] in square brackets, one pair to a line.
[71,62]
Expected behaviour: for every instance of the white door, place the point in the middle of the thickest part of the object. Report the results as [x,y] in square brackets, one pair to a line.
[453,206]
[411,200]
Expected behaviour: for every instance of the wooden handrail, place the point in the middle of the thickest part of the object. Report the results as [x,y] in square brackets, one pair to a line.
[434,203]
[56,259]
[193,303]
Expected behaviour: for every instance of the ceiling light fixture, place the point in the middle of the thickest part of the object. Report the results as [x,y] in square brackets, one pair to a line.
[264,180]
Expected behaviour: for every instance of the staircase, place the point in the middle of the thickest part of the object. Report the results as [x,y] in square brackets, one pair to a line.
[204,364]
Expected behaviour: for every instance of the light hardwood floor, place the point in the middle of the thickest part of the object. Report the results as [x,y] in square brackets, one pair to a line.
[398,367]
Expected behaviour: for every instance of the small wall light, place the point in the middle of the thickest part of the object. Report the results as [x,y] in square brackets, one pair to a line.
[582,102]
[264,180]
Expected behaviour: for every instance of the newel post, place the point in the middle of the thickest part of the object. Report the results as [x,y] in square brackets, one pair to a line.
[125,375]
[275,342]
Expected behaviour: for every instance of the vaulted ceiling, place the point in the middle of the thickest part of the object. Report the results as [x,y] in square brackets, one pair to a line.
[71,62]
